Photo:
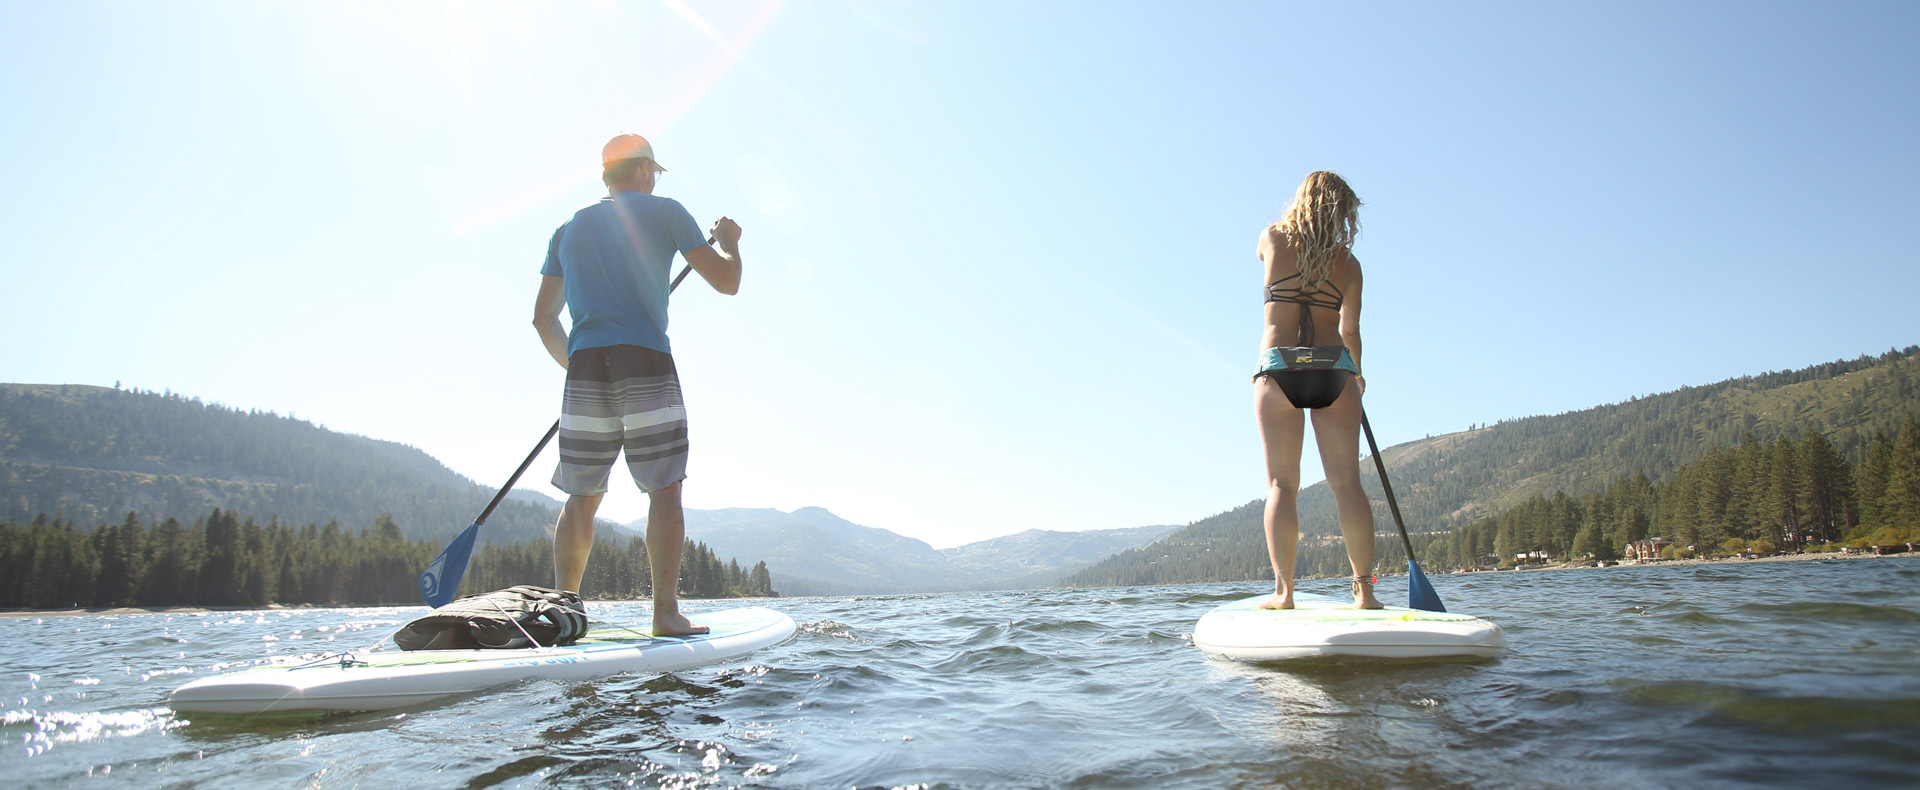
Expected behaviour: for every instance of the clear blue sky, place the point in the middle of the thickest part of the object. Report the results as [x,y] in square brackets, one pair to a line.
[999,256]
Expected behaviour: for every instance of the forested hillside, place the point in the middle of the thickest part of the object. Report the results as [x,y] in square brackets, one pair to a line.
[1785,494]
[91,455]
[1449,483]
[223,559]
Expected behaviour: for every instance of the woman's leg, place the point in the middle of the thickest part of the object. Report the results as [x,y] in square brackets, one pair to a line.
[1281,428]
[1336,429]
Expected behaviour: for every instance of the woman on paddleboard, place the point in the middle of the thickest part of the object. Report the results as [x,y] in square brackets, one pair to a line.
[1310,362]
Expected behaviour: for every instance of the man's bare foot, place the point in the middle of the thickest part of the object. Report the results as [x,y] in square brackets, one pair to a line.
[1363,594]
[676,624]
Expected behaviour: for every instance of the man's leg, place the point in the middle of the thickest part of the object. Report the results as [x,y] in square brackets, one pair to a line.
[666,535]
[572,540]
[589,442]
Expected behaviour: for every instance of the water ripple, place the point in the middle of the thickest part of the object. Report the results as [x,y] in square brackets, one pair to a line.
[1696,676]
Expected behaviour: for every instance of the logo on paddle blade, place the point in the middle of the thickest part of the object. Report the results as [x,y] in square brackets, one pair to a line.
[430,581]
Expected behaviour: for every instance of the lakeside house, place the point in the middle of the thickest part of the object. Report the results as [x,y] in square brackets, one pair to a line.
[1649,549]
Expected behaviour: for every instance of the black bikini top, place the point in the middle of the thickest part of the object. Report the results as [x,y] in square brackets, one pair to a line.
[1330,298]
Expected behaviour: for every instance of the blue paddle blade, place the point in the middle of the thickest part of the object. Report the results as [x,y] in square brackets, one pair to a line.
[442,579]
[1420,594]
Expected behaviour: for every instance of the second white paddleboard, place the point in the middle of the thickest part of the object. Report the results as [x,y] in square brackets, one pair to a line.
[1320,626]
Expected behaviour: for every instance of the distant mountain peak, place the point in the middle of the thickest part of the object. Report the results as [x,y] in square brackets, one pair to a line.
[727,515]
[812,551]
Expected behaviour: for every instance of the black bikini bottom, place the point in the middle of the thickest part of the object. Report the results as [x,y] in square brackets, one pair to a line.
[1310,389]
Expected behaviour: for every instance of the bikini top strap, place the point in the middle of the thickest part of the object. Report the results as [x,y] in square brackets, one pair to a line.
[1277,292]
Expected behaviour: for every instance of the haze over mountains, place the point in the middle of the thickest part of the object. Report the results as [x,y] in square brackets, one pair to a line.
[813,552]
[92,454]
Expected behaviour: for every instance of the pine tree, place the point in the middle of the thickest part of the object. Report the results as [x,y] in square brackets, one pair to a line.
[1871,483]
[1900,504]
[1749,489]
[1824,487]
[219,583]
[172,569]
[120,549]
[256,577]
[759,580]
[1783,493]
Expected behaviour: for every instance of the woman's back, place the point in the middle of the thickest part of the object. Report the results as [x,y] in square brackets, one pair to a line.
[1287,291]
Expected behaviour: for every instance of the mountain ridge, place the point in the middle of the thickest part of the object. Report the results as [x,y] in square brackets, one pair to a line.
[814,552]
[91,455]
[1442,482]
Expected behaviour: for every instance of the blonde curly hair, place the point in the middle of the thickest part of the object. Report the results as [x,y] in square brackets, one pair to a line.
[1321,222]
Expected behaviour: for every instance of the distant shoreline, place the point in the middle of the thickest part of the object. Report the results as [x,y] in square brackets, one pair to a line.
[1823,555]
[274,607]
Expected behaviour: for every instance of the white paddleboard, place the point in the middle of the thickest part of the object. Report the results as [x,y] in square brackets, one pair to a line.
[375,680]
[1319,626]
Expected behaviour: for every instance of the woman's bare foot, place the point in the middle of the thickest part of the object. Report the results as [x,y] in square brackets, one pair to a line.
[676,624]
[1278,601]
[1363,594]
[1282,597]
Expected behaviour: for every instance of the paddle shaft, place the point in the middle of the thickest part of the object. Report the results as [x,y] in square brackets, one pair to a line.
[517,472]
[1386,486]
[688,269]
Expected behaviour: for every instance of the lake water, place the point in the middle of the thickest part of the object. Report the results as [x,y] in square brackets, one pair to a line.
[1783,674]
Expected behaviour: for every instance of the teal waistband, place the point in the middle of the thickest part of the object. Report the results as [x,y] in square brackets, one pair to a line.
[1307,358]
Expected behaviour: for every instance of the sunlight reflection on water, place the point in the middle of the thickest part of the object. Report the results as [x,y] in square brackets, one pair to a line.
[1751,674]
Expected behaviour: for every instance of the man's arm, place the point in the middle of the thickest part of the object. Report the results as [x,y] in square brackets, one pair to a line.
[720,268]
[546,317]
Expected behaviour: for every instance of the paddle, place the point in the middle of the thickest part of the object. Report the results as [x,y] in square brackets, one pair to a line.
[1420,594]
[442,578]
[441,581]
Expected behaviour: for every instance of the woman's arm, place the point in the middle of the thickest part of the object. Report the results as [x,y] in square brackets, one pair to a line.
[1350,320]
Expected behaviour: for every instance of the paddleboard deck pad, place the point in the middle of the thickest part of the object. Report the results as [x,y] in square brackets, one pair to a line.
[376,680]
[1320,626]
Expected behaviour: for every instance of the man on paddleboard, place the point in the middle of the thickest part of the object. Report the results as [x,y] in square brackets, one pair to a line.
[609,266]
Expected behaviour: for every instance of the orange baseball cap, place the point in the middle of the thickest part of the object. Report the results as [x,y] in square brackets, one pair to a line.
[627,146]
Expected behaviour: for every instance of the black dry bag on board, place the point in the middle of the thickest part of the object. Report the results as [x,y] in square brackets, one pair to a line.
[499,620]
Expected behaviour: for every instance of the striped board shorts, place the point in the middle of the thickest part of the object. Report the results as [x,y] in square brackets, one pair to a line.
[621,399]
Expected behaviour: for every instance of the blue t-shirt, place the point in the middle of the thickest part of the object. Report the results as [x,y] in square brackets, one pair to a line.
[615,257]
